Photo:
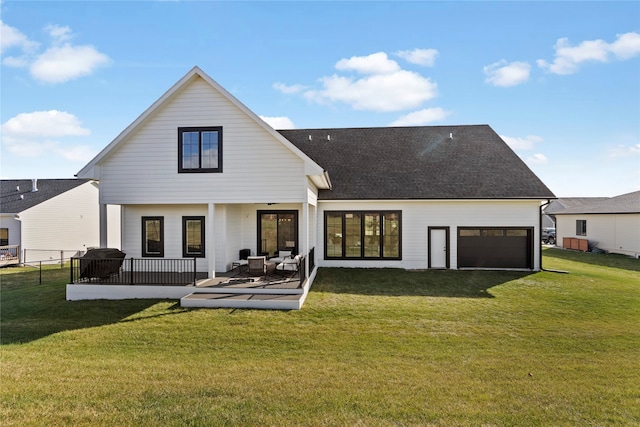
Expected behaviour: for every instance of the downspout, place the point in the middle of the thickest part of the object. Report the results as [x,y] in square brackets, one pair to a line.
[540,239]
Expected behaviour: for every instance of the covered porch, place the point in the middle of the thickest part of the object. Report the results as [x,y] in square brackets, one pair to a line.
[217,234]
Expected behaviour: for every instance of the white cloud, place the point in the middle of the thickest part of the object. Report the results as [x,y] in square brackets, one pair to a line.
[63,63]
[382,92]
[518,143]
[626,46]
[51,123]
[568,58]
[38,133]
[58,33]
[625,151]
[289,89]
[422,117]
[15,61]
[538,159]
[11,37]
[384,87]
[426,57]
[77,153]
[376,63]
[505,74]
[279,122]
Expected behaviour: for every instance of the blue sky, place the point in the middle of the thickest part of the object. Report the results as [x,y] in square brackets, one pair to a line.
[559,81]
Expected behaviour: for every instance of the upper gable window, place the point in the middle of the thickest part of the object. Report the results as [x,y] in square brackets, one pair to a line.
[200,149]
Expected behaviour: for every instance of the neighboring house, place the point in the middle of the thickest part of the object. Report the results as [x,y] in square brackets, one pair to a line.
[611,224]
[548,221]
[46,219]
[200,175]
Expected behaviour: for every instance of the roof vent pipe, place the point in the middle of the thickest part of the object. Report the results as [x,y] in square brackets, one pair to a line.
[450,135]
[17,188]
[328,137]
[34,185]
[309,137]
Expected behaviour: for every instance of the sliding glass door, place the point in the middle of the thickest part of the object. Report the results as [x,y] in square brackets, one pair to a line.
[277,231]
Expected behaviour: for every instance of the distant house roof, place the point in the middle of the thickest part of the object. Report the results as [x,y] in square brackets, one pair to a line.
[426,162]
[16,195]
[625,203]
[564,203]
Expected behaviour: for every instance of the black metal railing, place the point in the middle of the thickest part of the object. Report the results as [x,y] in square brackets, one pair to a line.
[134,271]
[312,259]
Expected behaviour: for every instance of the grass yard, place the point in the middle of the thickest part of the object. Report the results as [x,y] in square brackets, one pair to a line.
[369,347]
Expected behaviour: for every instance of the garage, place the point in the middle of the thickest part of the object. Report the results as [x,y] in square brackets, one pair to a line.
[495,247]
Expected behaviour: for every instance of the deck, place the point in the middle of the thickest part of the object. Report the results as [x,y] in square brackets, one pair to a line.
[9,255]
[231,289]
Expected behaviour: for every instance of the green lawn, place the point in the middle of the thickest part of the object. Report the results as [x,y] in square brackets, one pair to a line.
[369,348]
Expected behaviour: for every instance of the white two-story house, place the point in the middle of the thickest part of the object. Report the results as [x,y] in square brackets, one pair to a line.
[200,175]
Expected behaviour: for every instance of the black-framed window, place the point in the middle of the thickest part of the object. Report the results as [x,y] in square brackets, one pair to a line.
[363,235]
[277,231]
[153,236]
[581,227]
[200,149]
[193,236]
[4,236]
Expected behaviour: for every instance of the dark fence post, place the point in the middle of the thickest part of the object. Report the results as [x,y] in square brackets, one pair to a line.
[131,273]
[194,271]
[41,272]
[71,270]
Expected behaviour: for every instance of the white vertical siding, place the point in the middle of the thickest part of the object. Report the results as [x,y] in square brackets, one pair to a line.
[69,222]
[235,228]
[618,233]
[132,229]
[114,239]
[417,216]
[13,226]
[627,240]
[256,166]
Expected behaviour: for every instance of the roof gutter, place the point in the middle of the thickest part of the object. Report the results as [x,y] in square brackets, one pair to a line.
[326,177]
[540,240]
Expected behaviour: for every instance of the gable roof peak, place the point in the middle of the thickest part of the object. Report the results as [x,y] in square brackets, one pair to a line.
[90,171]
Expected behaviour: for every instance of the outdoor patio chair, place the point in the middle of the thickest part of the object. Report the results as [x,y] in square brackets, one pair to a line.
[282,255]
[258,266]
[290,266]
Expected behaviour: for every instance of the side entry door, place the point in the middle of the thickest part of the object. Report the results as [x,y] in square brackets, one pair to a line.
[438,247]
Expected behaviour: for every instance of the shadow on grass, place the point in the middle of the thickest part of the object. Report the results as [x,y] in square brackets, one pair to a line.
[30,311]
[398,282]
[606,260]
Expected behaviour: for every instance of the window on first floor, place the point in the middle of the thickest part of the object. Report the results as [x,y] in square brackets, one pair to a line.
[4,236]
[581,227]
[193,236]
[152,236]
[363,234]
[200,149]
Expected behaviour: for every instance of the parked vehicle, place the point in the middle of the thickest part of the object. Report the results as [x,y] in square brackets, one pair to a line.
[549,236]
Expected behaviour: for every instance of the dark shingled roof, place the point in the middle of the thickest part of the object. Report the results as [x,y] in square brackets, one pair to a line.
[625,203]
[12,189]
[418,163]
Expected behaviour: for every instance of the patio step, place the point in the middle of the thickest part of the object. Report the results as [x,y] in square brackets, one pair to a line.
[243,300]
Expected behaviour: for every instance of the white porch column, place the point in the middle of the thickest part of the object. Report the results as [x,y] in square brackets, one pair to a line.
[305,234]
[210,239]
[103,225]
